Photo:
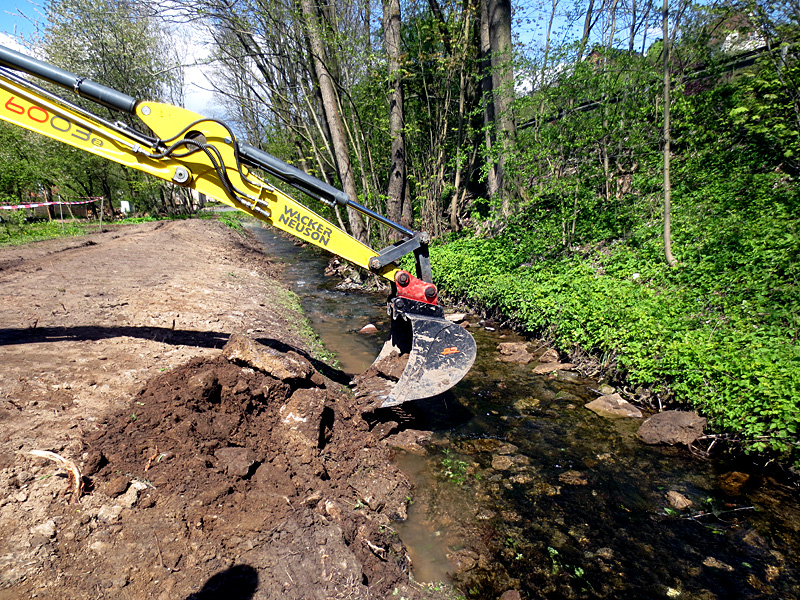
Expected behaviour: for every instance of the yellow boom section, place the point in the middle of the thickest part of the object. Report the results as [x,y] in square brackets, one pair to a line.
[206,163]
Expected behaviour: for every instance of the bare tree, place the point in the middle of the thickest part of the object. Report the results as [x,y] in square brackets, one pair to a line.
[397,175]
[667,141]
[502,84]
[333,116]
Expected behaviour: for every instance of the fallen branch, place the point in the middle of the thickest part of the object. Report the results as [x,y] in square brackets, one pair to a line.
[717,513]
[75,479]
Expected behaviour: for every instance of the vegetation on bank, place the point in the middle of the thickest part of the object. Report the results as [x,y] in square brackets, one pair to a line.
[718,332]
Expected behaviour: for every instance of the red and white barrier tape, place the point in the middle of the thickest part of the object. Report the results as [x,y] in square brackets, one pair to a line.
[35,204]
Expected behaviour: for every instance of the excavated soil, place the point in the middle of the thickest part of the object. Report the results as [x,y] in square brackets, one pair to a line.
[220,459]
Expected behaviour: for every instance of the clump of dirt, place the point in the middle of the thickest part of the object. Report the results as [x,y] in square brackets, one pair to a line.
[221,469]
[373,385]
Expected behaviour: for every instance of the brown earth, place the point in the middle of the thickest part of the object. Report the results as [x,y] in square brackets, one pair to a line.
[241,473]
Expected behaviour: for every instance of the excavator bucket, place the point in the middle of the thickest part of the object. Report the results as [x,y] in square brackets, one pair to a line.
[441,355]
[425,355]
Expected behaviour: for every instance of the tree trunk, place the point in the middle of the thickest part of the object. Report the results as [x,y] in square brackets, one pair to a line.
[667,145]
[334,119]
[397,177]
[488,100]
[499,17]
[588,23]
[462,100]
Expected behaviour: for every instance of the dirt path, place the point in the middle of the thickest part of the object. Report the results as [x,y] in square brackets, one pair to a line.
[243,473]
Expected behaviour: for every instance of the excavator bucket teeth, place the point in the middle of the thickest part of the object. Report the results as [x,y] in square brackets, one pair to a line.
[440,354]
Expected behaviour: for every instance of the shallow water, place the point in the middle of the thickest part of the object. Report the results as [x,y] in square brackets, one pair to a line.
[525,489]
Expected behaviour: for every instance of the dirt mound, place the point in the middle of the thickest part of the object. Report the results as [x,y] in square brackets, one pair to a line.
[225,466]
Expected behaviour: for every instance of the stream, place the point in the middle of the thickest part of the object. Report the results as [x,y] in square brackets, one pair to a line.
[524,489]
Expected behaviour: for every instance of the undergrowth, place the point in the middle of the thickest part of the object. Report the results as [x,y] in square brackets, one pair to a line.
[718,332]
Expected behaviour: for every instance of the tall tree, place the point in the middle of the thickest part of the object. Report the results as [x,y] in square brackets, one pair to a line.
[333,116]
[667,140]
[397,175]
[499,103]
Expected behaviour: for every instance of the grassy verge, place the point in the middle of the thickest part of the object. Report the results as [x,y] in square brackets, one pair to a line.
[298,320]
[16,231]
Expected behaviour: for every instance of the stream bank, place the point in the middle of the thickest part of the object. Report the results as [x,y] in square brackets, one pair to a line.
[521,488]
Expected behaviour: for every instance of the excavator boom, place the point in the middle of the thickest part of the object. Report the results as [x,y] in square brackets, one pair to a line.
[204,154]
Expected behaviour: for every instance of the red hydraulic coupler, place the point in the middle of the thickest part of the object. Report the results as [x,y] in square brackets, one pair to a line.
[412,288]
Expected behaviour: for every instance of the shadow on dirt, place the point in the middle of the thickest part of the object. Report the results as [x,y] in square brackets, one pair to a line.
[79,333]
[164,335]
[237,583]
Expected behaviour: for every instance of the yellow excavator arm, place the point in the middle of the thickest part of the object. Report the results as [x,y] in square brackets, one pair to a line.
[203,154]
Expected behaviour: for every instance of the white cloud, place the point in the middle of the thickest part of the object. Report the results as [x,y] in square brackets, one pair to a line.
[194,55]
[9,41]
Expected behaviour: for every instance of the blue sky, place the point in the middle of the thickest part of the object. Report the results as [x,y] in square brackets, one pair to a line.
[13,22]
[11,19]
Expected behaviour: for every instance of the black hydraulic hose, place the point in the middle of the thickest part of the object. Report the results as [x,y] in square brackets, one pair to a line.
[85,88]
[301,180]
[309,184]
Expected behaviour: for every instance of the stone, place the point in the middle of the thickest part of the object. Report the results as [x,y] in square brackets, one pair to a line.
[715,563]
[46,529]
[100,547]
[289,365]
[573,478]
[305,412]
[605,553]
[549,356]
[733,482]
[116,486]
[129,498]
[235,461]
[672,427]
[549,367]
[527,404]
[516,352]
[677,500]
[606,389]
[368,328]
[511,595]
[384,429]
[613,406]
[412,441]
[464,560]
[502,463]
[109,513]
[456,317]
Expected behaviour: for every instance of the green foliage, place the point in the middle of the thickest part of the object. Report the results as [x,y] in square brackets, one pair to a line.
[719,332]
[453,469]
[16,231]
[581,259]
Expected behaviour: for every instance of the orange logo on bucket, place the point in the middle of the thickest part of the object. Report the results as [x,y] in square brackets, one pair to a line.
[450,350]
